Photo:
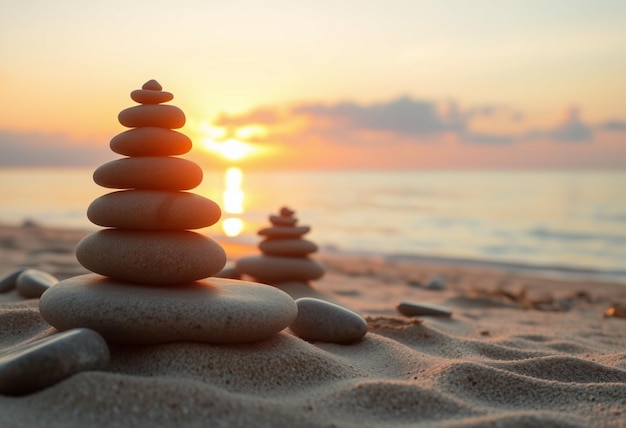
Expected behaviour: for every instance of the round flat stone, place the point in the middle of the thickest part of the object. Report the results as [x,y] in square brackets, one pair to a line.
[214,310]
[153,209]
[278,220]
[287,247]
[284,231]
[148,96]
[161,116]
[31,283]
[149,172]
[323,321]
[150,141]
[44,362]
[161,257]
[411,309]
[271,269]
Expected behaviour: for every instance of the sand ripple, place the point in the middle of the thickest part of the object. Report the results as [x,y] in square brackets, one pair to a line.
[412,374]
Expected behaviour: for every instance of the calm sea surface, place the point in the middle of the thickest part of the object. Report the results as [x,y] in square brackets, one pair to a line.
[573,220]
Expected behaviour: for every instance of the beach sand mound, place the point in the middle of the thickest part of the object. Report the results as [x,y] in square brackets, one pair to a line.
[402,373]
[495,362]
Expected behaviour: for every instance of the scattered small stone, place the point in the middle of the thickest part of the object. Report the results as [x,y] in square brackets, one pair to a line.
[412,309]
[44,362]
[323,321]
[414,283]
[32,283]
[437,282]
[8,282]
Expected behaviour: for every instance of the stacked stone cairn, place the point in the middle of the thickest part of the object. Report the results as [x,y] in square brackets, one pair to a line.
[148,239]
[152,279]
[285,254]
[285,264]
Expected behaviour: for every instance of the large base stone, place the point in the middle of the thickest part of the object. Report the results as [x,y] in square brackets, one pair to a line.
[213,310]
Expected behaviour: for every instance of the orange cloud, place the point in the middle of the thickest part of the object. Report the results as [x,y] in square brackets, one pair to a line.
[407,133]
[400,133]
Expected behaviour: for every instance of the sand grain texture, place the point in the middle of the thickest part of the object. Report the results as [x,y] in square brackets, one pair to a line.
[498,361]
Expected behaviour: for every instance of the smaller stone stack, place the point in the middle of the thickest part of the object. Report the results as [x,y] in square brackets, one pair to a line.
[285,255]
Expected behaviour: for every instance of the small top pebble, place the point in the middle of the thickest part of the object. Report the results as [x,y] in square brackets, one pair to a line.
[151,93]
[152,85]
[286,212]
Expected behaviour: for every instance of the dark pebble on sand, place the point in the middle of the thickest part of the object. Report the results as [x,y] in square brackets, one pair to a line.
[7,283]
[32,283]
[323,321]
[412,309]
[37,365]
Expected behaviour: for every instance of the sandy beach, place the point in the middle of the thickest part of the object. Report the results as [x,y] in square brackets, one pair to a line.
[518,350]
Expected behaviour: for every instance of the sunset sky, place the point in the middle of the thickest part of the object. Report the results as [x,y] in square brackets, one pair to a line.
[323,84]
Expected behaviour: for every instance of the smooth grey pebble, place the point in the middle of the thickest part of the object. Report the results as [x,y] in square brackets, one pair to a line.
[8,282]
[321,321]
[45,362]
[411,309]
[32,283]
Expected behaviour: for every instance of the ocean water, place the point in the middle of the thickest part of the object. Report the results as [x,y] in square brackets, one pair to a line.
[571,221]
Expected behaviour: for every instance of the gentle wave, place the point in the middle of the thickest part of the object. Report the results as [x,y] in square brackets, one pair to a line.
[572,220]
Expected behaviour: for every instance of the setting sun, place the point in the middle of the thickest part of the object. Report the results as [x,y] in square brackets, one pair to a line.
[230,144]
[231,149]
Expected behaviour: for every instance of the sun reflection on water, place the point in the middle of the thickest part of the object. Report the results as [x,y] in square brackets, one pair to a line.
[232,226]
[232,199]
